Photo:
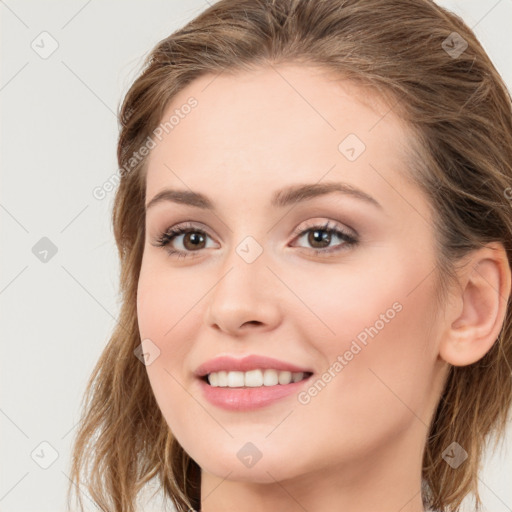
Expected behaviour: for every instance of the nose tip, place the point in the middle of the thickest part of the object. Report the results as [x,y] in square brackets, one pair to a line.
[243,300]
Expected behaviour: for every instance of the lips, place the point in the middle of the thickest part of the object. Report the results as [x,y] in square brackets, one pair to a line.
[245,364]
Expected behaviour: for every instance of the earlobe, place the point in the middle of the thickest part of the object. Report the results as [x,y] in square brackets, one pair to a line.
[474,325]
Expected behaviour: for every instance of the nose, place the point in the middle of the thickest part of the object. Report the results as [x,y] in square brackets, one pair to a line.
[246,296]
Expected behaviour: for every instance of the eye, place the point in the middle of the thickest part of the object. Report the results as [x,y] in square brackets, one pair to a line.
[193,240]
[321,236]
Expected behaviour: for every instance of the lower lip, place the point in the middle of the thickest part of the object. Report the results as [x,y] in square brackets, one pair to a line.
[246,399]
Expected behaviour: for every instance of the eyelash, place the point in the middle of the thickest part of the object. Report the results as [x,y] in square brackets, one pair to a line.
[169,235]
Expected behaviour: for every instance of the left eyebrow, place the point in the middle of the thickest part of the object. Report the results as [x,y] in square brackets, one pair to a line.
[281,198]
[302,192]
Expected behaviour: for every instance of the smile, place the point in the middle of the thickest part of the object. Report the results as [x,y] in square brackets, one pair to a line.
[254,378]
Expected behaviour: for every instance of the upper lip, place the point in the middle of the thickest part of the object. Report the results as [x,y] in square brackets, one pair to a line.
[245,364]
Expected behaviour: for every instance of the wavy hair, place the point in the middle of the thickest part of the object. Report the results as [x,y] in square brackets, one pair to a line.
[458,110]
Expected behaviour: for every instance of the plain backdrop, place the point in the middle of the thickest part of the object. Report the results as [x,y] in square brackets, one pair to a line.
[64,69]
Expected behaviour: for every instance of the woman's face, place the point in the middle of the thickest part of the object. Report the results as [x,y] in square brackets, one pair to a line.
[260,274]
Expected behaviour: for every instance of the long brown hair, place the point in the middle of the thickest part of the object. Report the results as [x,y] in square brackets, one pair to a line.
[459,111]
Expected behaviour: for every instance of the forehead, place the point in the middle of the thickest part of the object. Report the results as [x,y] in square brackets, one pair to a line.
[272,127]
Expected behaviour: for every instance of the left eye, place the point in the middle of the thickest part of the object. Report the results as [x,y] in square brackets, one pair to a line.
[323,235]
[194,239]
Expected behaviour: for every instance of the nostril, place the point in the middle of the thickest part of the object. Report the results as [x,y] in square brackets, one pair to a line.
[252,322]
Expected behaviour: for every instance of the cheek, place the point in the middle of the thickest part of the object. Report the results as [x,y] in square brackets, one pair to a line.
[165,299]
[372,333]
[165,312]
[164,318]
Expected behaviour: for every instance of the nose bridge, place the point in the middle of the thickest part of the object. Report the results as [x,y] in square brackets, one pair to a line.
[243,292]
[249,252]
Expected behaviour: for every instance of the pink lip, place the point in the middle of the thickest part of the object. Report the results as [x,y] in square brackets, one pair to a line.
[247,398]
[252,362]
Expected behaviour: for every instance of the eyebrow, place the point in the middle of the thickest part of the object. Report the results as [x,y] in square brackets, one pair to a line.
[281,198]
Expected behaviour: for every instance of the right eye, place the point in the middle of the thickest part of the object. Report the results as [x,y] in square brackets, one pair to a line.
[192,236]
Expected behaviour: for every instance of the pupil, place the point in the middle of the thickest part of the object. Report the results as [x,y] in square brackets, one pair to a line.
[320,236]
[194,238]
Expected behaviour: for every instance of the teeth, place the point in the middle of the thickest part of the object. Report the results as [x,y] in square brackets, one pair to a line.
[235,379]
[285,377]
[270,378]
[296,376]
[253,378]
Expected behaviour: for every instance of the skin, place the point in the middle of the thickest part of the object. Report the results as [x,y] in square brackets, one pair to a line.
[359,442]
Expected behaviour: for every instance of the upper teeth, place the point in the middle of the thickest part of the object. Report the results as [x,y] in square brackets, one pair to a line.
[253,378]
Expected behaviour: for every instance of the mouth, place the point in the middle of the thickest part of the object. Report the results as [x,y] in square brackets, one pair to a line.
[257,378]
[251,383]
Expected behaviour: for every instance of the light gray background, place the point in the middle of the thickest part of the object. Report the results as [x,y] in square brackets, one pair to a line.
[59,135]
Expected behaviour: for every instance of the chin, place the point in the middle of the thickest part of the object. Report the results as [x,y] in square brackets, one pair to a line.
[261,473]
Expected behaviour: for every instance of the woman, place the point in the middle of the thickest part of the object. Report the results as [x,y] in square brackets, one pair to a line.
[315,236]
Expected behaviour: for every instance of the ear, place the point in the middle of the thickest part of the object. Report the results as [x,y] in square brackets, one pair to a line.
[477,312]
